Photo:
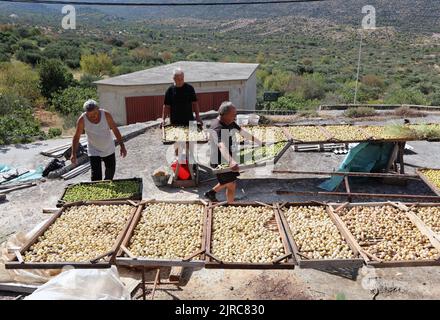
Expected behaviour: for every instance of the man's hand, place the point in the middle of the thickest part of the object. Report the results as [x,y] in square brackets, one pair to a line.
[73,158]
[234,166]
[123,151]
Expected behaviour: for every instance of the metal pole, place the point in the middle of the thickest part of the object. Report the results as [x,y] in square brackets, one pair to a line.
[358,68]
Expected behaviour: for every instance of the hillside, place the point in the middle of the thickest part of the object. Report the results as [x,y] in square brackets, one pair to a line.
[416,15]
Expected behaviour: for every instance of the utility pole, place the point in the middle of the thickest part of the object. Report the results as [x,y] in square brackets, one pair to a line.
[358,67]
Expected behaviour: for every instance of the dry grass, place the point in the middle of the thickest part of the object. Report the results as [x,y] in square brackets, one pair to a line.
[408,112]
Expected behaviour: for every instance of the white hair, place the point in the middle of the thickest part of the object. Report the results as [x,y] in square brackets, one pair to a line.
[225,107]
[177,71]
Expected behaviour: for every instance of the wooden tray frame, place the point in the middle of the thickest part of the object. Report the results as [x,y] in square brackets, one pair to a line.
[137,196]
[18,263]
[165,141]
[281,126]
[369,259]
[258,163]
[331,138]
[305,262]
[214,263]
[133,261]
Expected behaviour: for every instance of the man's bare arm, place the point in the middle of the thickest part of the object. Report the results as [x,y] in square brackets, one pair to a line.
[117,133]
[76,137]
[196,109]
[165,112]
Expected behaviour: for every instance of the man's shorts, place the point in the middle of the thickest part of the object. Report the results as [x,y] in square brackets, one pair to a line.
[227,177]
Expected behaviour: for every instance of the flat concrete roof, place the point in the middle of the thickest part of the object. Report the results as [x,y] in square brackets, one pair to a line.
[194,72]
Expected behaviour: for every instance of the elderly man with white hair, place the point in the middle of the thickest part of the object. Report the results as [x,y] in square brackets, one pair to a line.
[98,123]
[180,101]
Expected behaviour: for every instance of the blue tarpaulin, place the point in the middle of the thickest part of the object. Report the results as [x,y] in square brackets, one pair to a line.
[31,175]
[365,157]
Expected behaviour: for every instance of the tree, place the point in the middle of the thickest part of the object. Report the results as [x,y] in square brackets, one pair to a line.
[97,65]
[17,122]
[54,76]
[65,51]
[406,96]
[19,79]
[70,101]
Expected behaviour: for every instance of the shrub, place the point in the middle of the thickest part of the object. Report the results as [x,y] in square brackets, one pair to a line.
[406,96]
[19,79]
[360,112]
[87,80]
[64,51]
[54,76]
[32,57]
[408,112]
[71,100]
[294,102]
[54,132]
[17,122]
[97,65]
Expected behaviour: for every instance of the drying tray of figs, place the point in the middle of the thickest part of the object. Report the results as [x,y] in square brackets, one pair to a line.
[315,237]
[81,235]
[431,177]
[246,235]
[172,134]
[265,133]
[253,157]
[165,233]
[114,190]
[391,234]
[326,133]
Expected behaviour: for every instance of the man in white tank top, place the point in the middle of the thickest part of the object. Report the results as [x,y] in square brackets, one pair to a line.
[97,123]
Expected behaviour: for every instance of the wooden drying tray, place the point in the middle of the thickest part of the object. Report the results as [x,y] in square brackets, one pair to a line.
[136,196]
[98,262]
[331,139]
[303,260]
[286,261]
[281,126]
[165,141]
[258,163]
[426,180]
[374,261]
[126,258]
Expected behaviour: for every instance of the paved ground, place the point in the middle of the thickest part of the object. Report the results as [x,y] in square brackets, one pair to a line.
[146,153]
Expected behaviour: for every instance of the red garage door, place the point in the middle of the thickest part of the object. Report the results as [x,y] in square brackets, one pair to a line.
[147,108]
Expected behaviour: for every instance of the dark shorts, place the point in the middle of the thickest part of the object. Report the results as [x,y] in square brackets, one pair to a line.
[227,177]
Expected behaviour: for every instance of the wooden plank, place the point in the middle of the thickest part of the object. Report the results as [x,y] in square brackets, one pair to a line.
[56,265]
[350,174]
[246,266]
[282,232]
[347,234]
[347,188]
[425,230]
[139,261]
[359,194]
[294,248]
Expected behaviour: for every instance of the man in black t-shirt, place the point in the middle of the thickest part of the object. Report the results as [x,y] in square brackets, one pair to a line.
[222,141]
[180,102]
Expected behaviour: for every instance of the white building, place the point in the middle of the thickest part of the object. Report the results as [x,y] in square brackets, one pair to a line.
[138,96]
